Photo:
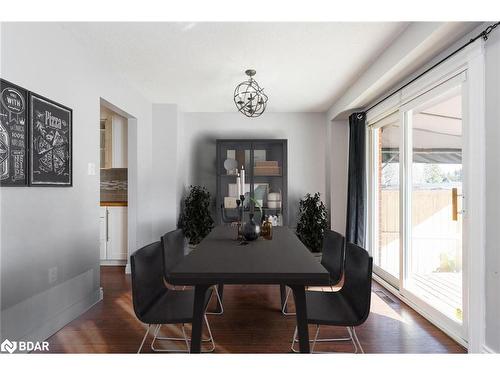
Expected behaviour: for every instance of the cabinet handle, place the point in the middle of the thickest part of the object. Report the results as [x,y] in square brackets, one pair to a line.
[107,225]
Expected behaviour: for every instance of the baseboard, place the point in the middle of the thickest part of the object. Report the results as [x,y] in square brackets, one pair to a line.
[117,262]
[128,269]
[488,350]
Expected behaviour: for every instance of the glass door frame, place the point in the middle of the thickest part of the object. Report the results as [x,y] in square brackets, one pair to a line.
[373,137]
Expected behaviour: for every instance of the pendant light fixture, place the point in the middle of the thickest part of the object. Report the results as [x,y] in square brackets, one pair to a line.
[249,97]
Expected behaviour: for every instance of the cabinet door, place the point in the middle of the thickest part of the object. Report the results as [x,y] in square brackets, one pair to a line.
[106,143]
[120,144]
[116,248]
[102,237]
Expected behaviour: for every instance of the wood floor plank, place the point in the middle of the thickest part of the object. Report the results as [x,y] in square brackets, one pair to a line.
[252,323]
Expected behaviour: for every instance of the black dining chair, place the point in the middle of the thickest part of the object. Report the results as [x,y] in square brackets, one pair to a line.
[174,245]
[350,306]
[154,303]
[332,259]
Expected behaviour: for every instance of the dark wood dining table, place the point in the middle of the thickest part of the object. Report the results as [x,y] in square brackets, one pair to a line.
[220,259]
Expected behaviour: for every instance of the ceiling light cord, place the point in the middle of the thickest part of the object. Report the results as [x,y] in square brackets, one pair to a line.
[484,34]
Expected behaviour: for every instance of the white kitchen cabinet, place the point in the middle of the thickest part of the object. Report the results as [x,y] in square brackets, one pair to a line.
[119,144]
[114,141]
[113,236]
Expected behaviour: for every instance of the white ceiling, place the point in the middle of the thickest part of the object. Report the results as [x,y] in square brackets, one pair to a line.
[303,67]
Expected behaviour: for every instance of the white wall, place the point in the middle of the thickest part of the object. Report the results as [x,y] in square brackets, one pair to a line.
[306,134]
[164,197]
[492,260]
[46,227]
[339,160]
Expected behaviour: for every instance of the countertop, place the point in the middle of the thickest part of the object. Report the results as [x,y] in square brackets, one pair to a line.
[114,203]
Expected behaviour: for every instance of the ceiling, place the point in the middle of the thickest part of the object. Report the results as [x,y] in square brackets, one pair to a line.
[303,67]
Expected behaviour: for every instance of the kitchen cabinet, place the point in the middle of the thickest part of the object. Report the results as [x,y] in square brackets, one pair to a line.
[119,144]
[114,143]
[113,236]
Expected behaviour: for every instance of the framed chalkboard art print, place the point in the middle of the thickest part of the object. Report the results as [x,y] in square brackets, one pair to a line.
[13,135]
[51,142]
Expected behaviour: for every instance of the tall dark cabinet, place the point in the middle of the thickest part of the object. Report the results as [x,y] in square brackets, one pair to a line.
[265,162]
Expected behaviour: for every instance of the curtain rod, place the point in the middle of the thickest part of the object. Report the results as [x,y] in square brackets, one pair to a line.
[484,34]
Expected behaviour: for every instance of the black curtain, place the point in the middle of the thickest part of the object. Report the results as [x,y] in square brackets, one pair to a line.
[356,184]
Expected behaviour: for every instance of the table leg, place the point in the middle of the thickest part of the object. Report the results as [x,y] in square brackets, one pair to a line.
[282,295]
[220,289]
[299,294]
[198,312]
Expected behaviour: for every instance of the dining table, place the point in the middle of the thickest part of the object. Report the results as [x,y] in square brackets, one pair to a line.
[220,258]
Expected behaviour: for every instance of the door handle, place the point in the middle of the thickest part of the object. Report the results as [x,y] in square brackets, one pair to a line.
[454,204]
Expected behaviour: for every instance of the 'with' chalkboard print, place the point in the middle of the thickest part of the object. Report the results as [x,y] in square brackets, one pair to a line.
[13,135]
[50,143]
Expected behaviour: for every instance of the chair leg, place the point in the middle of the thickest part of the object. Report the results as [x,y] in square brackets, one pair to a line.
[144,339]
[220,303]
[357,340]
[188,349]
[211,338]
[284,310]
[294,340]
[154,349]
[352,337]
[315,338]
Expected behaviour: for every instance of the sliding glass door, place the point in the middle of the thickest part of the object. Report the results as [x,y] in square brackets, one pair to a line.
[416,193]
[434,255]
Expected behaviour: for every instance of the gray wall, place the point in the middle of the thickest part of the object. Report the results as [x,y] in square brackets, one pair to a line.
[306,134]
[58,228]
[492,260]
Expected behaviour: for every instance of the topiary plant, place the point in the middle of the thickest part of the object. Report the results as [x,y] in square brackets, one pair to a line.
[313,221]
[195,220]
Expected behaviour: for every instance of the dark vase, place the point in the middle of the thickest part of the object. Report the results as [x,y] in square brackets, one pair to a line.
[250,229]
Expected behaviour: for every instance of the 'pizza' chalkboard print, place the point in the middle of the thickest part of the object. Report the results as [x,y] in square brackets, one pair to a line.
[13,135]
[50,143]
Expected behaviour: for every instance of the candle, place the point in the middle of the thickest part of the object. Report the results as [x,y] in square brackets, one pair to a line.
[238,183]
[242,180]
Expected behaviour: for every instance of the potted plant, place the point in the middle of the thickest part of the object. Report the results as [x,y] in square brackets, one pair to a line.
[313,221]
[196,220]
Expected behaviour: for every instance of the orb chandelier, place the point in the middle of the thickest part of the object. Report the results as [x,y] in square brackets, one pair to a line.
[249,97]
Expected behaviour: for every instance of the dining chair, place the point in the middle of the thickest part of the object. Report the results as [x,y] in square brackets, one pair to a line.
[174,245]
[154,303]
[332,259]
[350,306]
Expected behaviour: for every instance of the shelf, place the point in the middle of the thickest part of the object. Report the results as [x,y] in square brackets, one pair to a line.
[274,150]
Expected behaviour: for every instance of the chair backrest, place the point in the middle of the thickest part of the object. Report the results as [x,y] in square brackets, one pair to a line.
[333,255]
[147,277]
[173,244]
[358,280]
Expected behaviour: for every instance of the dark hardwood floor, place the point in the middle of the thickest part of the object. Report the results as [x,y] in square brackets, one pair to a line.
[252,323]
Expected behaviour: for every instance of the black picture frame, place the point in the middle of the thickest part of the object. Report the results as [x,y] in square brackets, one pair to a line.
[14,151]
[50,143]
